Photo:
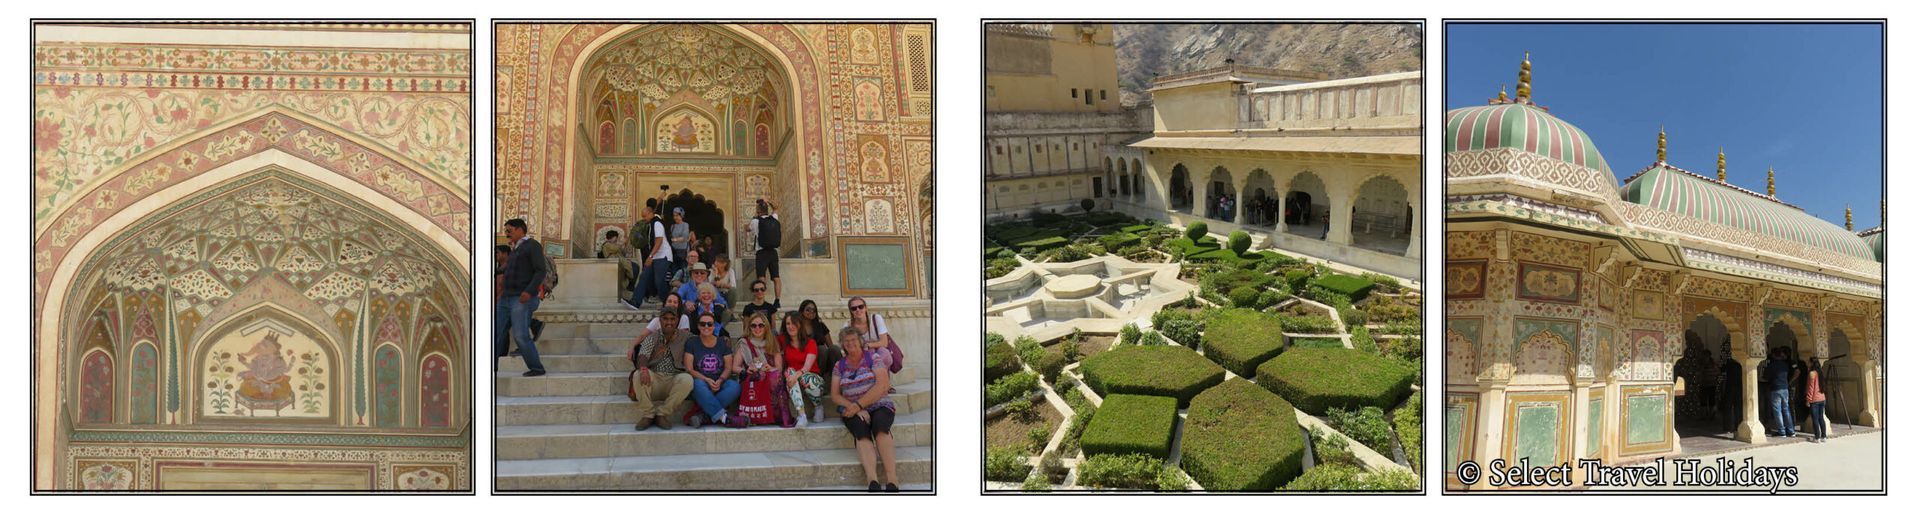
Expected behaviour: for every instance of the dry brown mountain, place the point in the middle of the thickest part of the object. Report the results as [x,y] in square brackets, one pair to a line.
[1339,50]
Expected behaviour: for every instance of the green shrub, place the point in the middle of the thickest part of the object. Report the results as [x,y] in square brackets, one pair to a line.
[1228,280]
[1297,279]
[1128,423]
[1363,340]
[1366,425]
[1269,298]
[1083,411]
[1239,242]
[1068,253]
[1403,348]
[1406,424]
[1152,339]
[1011,387]
[1114,242]
[1161,318]
[1328,449]
[1185,332]
[1347,477]
[1196,230]
[1317,342]
[994,338]
[1352,316]
[1382,283]
[1241,339]
[1028,348]
[1007,464]
[1245,297]
[1315,324]
[1136,229]
[1043,244]
[1129,334]
[1050,361]
[1239,437]
[1352,287]
[1131,472]
[1036,483]
[1001,361]
[1151,370]
[1037,439]
[1000,267]
[1318,379]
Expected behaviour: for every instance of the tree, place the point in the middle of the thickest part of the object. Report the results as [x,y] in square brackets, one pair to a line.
[1239,241]
[1086,205]
[1196,230]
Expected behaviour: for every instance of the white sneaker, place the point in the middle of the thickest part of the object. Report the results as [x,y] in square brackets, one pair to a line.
[801,422]
[819,413]
[720,420]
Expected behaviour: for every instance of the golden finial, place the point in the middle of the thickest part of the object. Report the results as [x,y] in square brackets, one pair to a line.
[1660,155]
[1524,91]
[1849,218]
[1723,165]
[1769,181]
[1503,93]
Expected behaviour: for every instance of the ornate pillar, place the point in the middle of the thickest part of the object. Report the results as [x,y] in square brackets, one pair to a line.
[1751,431]
[1239,195]
[1340,214]
[1581,422]
[1492,425]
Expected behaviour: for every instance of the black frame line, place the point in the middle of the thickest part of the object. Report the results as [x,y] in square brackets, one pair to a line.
[1446,23]
[1425,34]
[933,321]
[32,183]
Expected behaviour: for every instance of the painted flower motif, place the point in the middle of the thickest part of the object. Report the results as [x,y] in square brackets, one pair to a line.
[46,135]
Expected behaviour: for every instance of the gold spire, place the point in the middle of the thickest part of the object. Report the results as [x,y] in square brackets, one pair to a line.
[1660,155]
[1723,165]
[1503,93]
[1524,91]
[1849,218]
[1769,181]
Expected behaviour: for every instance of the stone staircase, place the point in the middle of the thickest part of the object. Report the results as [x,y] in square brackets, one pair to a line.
[573,430]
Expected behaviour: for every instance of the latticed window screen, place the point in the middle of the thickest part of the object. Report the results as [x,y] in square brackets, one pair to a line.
[918,65]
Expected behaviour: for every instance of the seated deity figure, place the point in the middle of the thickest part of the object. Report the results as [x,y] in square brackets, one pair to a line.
[265,384]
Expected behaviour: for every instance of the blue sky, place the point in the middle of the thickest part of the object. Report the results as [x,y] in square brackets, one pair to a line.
[1805,99]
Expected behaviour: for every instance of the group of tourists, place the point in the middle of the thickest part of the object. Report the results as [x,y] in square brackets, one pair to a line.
[1783,375]
[784,369]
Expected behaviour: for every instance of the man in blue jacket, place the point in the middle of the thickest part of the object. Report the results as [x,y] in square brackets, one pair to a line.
[526,271]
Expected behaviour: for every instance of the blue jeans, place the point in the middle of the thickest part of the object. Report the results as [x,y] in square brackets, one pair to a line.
[1819,412]
[522,314]
[501,321]
[652,282]
[1782,411]
[715,403]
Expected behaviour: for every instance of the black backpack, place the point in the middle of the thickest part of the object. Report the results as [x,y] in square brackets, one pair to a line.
[768,233]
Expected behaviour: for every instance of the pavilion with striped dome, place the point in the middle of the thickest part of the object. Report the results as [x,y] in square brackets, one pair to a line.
[1589,317]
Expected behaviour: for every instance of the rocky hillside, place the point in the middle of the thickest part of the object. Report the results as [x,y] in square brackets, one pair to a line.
[1339,50]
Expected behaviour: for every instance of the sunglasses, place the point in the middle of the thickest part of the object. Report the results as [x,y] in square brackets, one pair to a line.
[706,323]
[856,307]
[759,290]
[757,325]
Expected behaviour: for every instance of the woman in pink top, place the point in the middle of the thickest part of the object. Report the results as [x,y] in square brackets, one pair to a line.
[1816,401]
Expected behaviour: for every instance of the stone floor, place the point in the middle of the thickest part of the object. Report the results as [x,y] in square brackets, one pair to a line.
[1849,460]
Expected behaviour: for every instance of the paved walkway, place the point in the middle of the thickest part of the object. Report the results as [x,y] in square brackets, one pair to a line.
[1851,462]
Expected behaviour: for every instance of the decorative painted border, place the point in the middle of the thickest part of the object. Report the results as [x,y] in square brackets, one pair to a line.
[291,439]
[447,207]
[1563,444]
[1479,270]
[1520,282]
[1628,448]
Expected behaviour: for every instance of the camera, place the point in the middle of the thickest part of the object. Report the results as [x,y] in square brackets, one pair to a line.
[663,187]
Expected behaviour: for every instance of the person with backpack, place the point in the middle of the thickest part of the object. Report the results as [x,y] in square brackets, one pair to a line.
[650,237]
[765,230]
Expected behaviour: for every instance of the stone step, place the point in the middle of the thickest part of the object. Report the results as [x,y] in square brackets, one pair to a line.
[561,381]
[621,440]
[609,409]
[570,363]
[783,470]
[626,329]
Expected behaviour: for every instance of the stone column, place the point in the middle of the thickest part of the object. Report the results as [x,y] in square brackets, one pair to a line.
[1750,431]
[1491,428]
[1869,393]
[1581,422]
[1340,212]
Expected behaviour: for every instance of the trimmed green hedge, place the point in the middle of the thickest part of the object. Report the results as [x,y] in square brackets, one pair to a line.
[1239,241]
[1347,477]
[1196,230]
[1239,437]
[1116,241]
[1135,229]
[1001,361]
[1151,370]
[1241,339]
[1354,288]
[1011,386]
[1128,423]
[1317,342]
[1129,472]
[1044,244]
[1318,379]
[1406,425]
